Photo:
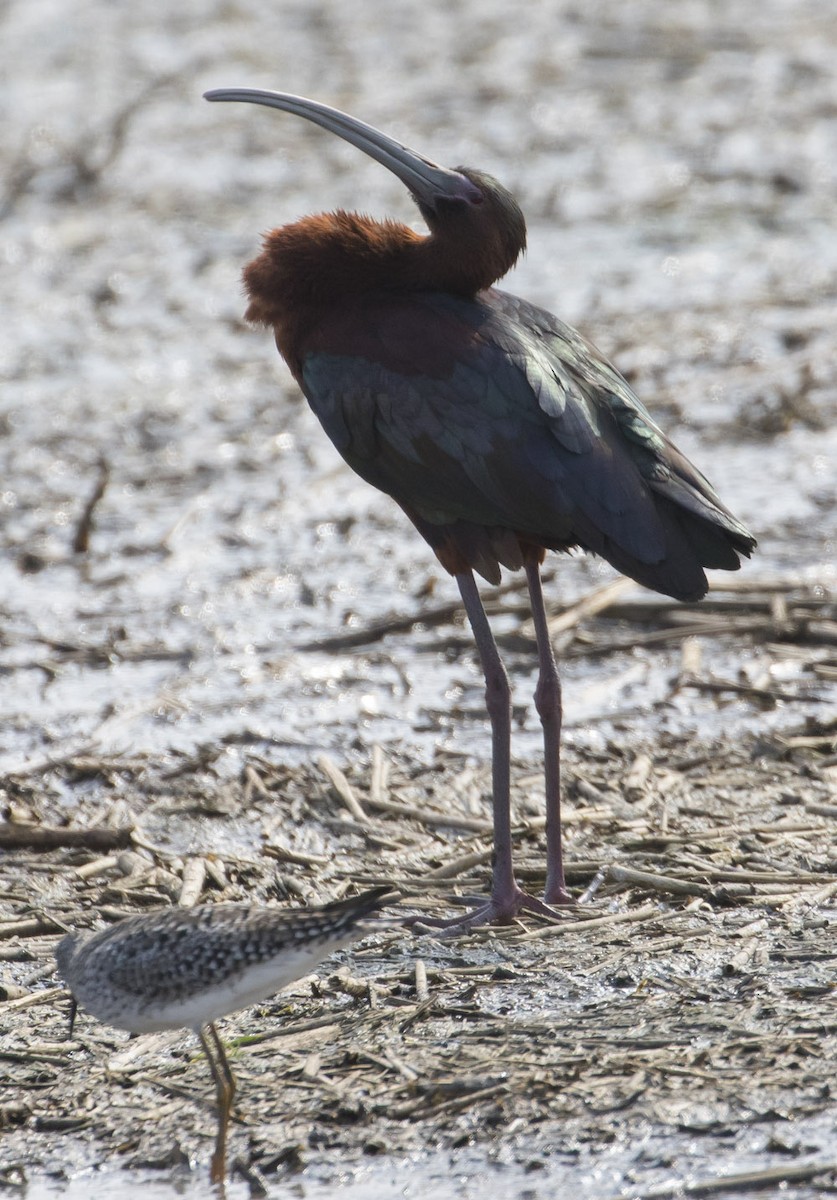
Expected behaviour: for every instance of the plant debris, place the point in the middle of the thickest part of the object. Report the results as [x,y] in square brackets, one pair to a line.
[705,957]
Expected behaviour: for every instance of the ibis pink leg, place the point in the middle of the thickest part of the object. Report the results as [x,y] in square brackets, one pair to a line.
[548,704]
[507,899]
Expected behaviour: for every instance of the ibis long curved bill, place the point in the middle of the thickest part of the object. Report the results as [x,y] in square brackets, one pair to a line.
[426,180]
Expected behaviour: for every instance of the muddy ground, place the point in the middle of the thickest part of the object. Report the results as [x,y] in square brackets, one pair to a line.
[677,1027]
[212,633]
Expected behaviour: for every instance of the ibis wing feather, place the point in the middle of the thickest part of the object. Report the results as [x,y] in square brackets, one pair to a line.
[486,412]
[668,471]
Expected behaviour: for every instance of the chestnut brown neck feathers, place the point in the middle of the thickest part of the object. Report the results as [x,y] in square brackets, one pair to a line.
[320,260]
[324,258]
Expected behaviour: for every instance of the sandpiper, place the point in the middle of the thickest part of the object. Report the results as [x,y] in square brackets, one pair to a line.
[186,967]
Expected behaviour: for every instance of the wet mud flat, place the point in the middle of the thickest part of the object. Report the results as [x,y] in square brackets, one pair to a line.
[229,670]
[677,1028]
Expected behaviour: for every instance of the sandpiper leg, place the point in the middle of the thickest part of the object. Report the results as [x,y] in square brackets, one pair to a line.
[224,1063]
[224,1091]
[548,704]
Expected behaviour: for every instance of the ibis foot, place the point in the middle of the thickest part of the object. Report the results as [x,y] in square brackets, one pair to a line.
[498,910]
[557,895]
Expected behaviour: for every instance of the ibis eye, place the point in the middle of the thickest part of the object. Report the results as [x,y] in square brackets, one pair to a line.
[473,194]
[468,189]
